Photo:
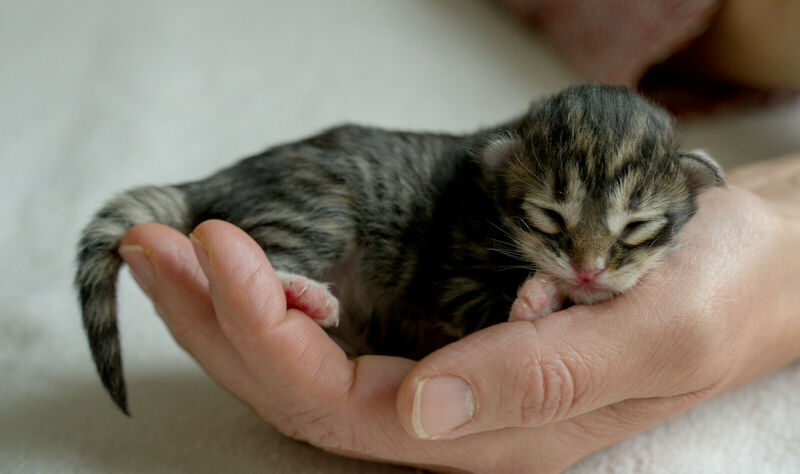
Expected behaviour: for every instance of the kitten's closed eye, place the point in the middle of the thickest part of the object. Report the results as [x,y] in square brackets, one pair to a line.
[637,232]
[546,220]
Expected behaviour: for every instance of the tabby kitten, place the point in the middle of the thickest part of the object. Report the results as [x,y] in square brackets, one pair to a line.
[423,238]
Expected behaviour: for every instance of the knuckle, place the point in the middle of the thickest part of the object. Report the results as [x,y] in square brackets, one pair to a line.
[530,383]
[551,386]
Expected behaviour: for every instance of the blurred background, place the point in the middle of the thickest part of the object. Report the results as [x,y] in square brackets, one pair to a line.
[98,97]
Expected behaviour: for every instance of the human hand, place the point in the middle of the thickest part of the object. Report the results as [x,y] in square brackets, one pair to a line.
[719,313]
[544,394]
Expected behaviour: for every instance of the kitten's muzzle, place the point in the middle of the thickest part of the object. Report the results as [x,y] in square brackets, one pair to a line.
[587,276]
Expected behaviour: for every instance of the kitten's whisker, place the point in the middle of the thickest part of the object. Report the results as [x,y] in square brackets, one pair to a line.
[508,253]
[518,160]
[505,232]
[517,267]
[527,226]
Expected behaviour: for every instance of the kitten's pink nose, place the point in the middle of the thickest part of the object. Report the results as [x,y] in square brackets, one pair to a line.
[587,275]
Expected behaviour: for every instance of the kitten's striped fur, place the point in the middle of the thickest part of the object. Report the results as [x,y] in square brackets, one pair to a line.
[427,237]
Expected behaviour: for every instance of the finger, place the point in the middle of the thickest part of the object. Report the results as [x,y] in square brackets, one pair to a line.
[549,448]
[525,374]
[366,425]
[289,353]
[338,405]
[172,278]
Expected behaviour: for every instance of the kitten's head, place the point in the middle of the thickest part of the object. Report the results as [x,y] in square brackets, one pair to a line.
[594,188]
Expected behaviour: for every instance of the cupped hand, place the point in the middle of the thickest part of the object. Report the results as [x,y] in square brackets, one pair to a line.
[516,397]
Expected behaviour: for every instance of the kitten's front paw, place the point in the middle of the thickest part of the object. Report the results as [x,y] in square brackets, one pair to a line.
[536,298]
[310,297]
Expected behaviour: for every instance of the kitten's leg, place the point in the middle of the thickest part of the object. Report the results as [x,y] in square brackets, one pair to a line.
[310,297]
[303,292]
[303,254]
[536,298]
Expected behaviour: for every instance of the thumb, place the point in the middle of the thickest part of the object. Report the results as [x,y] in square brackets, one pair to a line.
[524,374]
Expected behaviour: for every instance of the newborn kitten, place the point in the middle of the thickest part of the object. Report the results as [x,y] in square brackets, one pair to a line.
[423,238]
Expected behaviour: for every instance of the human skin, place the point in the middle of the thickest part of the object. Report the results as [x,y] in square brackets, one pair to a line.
[754,43]
[543,394]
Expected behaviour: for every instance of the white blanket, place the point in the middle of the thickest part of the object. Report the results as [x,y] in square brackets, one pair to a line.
[97,97]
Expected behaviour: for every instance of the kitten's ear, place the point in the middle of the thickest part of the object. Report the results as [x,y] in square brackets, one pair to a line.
[499,149]
[700,170]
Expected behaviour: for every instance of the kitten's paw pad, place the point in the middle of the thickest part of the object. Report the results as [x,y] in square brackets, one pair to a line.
[310,297]
[536,298]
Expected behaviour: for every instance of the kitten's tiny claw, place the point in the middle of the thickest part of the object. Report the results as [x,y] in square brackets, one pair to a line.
[310,297]
[536,298]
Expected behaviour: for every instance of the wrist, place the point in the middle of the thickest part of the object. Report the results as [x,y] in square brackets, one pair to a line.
[774,322]
[777,182]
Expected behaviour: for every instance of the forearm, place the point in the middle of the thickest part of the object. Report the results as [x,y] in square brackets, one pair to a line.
[776,329]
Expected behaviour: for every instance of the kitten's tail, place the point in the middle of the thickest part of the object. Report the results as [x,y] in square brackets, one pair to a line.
[98,265]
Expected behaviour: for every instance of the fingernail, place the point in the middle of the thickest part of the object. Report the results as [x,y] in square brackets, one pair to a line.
[440,405]
[200,250]
[140,265]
